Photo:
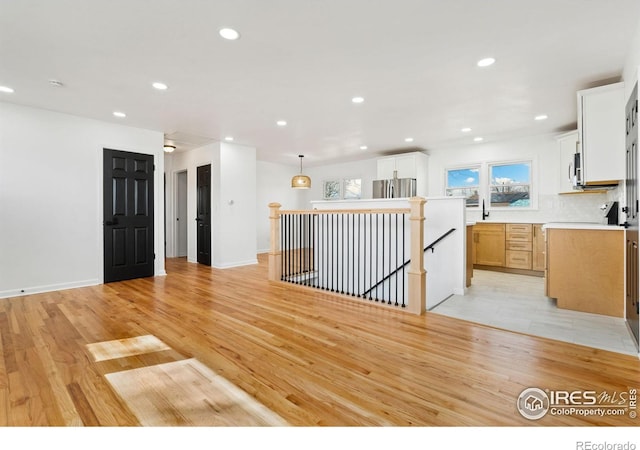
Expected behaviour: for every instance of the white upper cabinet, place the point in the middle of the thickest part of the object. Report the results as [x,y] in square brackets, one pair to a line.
[601,120]
[407,165]
[568,146]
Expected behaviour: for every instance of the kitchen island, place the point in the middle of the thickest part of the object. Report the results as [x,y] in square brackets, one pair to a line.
[585,267]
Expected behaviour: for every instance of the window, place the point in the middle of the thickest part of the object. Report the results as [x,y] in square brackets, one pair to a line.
[510,185]
[464,182]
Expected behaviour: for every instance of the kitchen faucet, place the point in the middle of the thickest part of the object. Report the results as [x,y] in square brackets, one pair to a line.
[484,214]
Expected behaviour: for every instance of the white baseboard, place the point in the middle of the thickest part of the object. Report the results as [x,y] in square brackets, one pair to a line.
[47,288]
[235,264]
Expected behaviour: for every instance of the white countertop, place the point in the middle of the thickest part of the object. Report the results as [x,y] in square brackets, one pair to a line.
[582,226]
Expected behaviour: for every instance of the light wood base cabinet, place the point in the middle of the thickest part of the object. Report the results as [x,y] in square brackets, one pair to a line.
[489,243]
[585,270]
[509,247]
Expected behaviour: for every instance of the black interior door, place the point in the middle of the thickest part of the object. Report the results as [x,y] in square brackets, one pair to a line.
[204,214]
[128,215]
[631,209]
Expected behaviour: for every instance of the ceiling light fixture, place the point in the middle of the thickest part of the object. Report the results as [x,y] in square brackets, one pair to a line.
[160,86]
[301,181]
[541,117]
[229,34]
[466,130]
[229,138]
[478,139]
[56,83]
[357,99]
[363,147]
[119,114]
[486,62]
[409,139]
[6,89]
[169,148]
[281,123]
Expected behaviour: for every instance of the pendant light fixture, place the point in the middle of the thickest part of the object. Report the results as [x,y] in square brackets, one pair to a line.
[301,181]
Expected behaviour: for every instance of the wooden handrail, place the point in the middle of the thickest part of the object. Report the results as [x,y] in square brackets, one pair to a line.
[347,211]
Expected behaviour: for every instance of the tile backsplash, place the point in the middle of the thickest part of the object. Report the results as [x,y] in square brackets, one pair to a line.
[557,208]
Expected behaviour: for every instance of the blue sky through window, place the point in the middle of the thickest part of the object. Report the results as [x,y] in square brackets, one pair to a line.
[458,178]
[511,173]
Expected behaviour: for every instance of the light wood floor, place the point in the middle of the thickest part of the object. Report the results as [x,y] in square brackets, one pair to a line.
[310,358]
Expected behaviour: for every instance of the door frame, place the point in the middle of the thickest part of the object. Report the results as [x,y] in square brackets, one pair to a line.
[176,202]
[158,223]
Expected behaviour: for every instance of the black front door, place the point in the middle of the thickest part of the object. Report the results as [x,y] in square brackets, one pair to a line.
[204,214]
[128,215]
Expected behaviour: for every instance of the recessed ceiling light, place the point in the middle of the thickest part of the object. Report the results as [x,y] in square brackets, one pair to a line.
[478,139]
[357,99]
[119,114]
[541,117]
[160,86]
[408,139]
[169,148]
[486,62]
[363,147]
[6,89]
[465,130]
[229,138]
[229,34]
[281,123]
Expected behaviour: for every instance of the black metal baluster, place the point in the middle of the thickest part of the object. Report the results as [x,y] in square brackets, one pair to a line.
[396,265]
[290,233]
[359,264]
[389,271]
[377,298]
[341,279]
[353,255]
[299,252]
[370,252]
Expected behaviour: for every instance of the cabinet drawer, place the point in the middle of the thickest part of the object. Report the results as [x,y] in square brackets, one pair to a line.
[518,259]
[518,236]
[518,228]
[493,227]
[519,245]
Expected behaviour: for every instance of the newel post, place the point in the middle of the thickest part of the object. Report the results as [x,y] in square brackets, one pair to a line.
[275,255]
[417,276]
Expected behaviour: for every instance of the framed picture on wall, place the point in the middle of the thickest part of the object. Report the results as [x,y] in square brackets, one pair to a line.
[352,188]
[331,190]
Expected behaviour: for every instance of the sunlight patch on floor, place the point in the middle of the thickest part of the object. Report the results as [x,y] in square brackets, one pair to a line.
[122,348]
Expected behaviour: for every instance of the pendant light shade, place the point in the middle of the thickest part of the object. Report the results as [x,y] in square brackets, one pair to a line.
[301,181]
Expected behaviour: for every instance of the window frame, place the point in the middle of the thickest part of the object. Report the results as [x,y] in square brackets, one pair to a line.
[489,185]
[484,180]
[477,167]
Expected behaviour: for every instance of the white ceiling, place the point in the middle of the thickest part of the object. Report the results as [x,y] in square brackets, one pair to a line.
[414,62]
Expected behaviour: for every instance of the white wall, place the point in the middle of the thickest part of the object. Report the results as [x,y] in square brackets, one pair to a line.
[543,150]
[234,208]
[366,169]
[273,185]
[51,233]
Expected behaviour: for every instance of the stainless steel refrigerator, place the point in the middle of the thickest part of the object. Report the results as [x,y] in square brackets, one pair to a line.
[394,188]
